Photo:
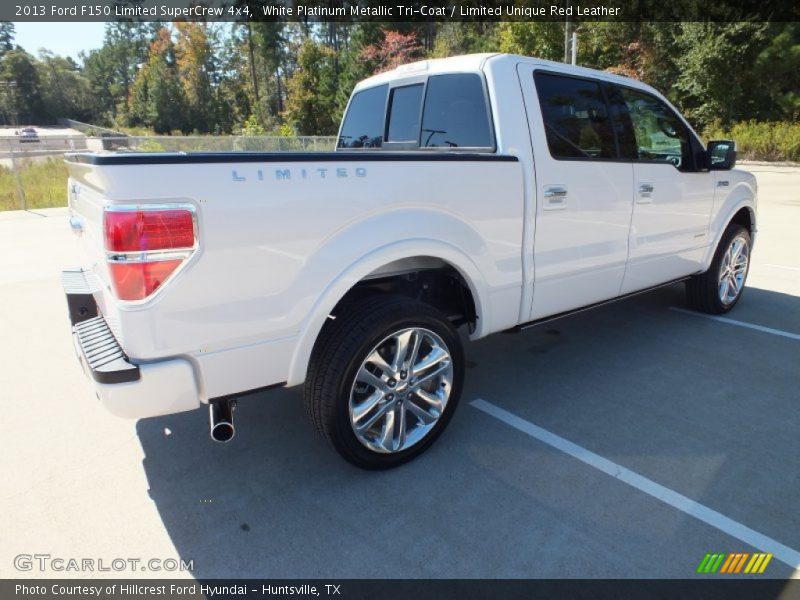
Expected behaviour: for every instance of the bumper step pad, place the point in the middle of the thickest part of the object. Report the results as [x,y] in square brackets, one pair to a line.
[103,355]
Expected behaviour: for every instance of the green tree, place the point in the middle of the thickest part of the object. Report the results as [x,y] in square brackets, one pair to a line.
[352,65]
[252,127]
[98,69]
[65,91]
[298,76]
[271,46]
[7,33]
[644,51]
[126,46]
[197,69]
[21,87]
[234,92]
[157,98]
[539,39]
[453,39]
[715,78]
[776,71]
[311,102]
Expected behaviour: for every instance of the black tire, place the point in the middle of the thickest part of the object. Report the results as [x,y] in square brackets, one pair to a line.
[702,291]
[344,344]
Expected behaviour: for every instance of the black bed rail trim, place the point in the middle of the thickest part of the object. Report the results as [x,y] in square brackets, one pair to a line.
[176,158]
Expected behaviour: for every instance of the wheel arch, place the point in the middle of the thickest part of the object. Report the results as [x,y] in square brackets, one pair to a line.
[746,217]
[739,207]
[392,260]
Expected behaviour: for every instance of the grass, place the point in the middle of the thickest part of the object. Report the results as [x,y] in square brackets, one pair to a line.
[44,183]
[768,141]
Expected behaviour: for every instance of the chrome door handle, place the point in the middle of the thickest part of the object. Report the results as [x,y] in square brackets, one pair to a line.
[555,197]
[645,193]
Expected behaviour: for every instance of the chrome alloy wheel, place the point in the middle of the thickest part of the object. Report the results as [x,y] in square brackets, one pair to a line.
[401,390]
[733,270]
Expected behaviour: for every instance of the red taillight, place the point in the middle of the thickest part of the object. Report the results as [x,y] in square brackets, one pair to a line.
[137,280]
[145,246]
[144,230]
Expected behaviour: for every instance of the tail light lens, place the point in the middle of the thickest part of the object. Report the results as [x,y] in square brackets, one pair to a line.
[145,246]
[148,230]
[137,280]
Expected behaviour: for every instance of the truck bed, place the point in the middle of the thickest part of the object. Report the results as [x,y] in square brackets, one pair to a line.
[280,233]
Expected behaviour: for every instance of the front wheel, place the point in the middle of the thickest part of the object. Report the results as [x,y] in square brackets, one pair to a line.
[384,380]
[718,290]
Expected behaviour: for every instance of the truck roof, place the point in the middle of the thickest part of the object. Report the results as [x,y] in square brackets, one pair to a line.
[477,62]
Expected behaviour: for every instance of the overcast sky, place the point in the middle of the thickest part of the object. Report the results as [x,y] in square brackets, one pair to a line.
[66,39]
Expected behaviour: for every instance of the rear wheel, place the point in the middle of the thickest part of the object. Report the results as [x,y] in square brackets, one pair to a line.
[718,290]
[384,380]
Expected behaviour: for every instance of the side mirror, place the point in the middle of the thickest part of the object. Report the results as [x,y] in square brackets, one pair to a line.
[721,155]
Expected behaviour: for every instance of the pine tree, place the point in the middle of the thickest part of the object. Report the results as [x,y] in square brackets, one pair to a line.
[311,103]
[196,67]
[157,98]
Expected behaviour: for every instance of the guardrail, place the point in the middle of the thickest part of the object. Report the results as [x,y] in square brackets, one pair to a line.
[241,143]
[87,128]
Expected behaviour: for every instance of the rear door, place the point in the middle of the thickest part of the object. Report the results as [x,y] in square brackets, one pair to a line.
[584,192]
[673,195]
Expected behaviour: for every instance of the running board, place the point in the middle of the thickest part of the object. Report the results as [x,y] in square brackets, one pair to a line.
[575,311]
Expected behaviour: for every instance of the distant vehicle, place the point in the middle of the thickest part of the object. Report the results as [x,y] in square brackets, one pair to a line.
[489,191]
[28,134]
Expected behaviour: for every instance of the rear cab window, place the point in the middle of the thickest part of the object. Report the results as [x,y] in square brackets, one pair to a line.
[447,112]
[404,113]
[363,125]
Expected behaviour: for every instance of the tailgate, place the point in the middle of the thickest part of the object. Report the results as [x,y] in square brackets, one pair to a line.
[133,245]
[86,218]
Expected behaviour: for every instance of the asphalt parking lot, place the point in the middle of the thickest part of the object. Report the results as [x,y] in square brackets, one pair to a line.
[624,442]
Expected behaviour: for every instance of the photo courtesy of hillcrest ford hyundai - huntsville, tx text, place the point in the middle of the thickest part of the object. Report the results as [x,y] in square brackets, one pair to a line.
[467,196]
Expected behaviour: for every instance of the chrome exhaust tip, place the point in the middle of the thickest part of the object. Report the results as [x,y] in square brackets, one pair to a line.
[220,419]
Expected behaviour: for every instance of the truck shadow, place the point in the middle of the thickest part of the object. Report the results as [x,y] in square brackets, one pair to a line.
[277,502]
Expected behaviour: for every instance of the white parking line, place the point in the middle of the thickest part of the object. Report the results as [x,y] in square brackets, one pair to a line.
[783,267]
[786,334]
[707,515]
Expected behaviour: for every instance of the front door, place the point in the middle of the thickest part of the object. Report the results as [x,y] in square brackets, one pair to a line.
[673,197]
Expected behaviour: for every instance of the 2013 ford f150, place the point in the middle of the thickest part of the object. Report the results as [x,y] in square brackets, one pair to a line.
[487,192]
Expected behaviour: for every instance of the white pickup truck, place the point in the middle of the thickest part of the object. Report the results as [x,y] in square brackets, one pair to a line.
[484,192]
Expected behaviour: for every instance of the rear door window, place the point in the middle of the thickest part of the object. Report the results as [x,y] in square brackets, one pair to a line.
[456,114]
[576,119]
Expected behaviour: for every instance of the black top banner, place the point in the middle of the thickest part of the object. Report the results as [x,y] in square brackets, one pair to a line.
[399,10]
